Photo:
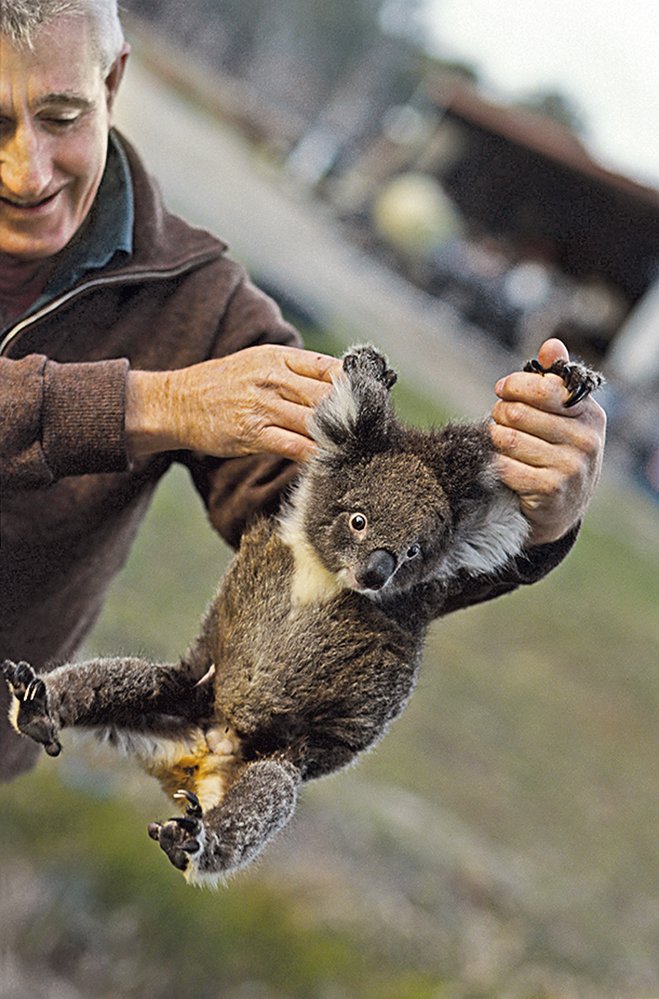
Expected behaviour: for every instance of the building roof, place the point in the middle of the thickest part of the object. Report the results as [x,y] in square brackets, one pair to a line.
[534,131]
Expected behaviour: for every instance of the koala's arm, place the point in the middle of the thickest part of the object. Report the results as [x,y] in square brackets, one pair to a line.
[127,693]
[530,566]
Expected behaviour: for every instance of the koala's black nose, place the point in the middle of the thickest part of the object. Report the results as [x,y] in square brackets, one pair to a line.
[377,569]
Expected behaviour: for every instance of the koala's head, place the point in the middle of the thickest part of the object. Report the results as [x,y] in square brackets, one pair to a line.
[385,507]
[369,505]
[378,524]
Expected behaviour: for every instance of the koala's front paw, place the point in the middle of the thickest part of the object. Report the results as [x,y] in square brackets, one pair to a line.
[181,836]
[579,380]
[29,712]
[367,362]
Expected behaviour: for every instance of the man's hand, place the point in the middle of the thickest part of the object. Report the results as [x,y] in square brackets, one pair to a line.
[550,456]
[258,399]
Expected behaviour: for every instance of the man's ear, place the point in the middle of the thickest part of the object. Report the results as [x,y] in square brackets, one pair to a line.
[115,75]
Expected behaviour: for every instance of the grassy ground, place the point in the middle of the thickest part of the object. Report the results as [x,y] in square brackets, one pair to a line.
[501,842]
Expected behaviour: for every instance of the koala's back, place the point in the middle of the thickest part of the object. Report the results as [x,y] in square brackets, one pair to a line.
[321,674]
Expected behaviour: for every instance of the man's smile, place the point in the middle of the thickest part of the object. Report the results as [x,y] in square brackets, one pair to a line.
[29,207]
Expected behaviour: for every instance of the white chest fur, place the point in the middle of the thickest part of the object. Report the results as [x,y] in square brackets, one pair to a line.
[312,581]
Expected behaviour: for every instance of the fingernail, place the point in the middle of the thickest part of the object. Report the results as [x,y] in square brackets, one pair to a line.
[498,388]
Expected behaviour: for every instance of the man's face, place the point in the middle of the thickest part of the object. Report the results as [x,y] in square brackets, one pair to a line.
[54,122]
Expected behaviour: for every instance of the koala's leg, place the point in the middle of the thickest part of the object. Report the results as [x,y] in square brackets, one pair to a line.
[206,846]
[127,693]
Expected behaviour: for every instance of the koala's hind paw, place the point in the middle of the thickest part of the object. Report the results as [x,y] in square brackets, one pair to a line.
[579,380]
[367,361]
[180,836]
[30,714]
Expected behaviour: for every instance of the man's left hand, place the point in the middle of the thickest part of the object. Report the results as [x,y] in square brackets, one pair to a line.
[550,456]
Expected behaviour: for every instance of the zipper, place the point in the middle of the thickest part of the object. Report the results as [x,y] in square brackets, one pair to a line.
[109,279]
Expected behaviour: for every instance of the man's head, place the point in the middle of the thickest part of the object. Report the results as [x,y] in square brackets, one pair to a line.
[61,63]
[21,20]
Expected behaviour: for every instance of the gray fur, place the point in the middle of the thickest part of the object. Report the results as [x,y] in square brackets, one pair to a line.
[312,644]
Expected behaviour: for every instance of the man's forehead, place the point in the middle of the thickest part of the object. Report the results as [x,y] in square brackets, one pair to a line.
[66,40]
[41,94]
[66,74]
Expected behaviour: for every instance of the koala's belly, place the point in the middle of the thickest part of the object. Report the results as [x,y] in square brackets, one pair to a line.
[203,761]
[315,662]
[290,653]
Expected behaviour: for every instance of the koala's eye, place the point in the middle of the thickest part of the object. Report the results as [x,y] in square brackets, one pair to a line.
[414,550]
[357,523]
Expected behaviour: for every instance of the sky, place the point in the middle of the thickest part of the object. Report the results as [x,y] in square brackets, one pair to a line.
[602,54]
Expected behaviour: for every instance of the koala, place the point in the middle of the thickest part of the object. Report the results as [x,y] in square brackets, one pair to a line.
[312,644]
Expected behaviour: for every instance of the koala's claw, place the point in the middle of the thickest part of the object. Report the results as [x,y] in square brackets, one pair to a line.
[368,361]
[579,380]
[32,716]
[193,807]
[180,836]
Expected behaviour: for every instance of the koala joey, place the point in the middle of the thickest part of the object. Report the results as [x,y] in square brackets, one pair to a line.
[312,644]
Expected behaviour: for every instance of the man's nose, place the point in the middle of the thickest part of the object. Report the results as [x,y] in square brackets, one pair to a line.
[25,165]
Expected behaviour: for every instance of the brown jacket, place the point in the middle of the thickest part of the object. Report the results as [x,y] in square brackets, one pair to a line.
[71,501]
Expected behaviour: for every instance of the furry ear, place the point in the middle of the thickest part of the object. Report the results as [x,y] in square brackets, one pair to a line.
[488,525]
[487,535]
[357,417]
[461,455]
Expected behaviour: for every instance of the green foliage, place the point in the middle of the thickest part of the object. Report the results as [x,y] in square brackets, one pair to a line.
[99,869]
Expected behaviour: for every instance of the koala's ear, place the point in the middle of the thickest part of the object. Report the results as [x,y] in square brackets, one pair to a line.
[357,417]
[461,459]
[488,526]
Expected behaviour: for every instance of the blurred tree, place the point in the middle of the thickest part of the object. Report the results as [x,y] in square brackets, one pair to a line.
[328,36]
[334,34]
[291,50]
[404,18]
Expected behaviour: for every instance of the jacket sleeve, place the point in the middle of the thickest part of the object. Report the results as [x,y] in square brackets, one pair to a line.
[235,490]
[60,419]
[532,565]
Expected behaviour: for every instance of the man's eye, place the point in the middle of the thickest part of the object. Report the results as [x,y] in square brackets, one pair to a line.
[60,121]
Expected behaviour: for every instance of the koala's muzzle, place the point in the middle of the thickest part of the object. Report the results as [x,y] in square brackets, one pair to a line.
[377,570]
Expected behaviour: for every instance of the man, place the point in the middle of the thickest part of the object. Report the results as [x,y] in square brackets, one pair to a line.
[129,340]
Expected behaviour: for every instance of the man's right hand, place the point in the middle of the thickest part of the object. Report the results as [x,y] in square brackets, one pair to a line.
[256,400]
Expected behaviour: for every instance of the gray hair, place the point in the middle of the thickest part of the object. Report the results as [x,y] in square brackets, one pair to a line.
[20,21]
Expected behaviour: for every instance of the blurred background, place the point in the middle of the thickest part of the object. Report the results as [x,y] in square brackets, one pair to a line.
[454,182]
